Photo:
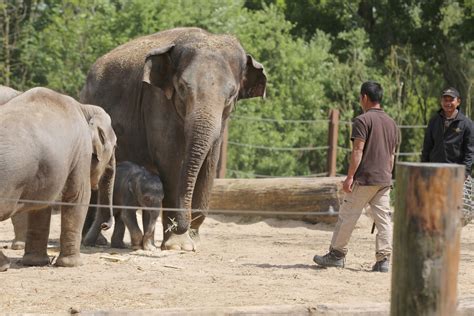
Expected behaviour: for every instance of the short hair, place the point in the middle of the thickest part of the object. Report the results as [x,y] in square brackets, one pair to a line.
[373,90]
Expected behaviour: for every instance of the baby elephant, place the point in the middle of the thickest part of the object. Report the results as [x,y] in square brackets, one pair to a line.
[134,186]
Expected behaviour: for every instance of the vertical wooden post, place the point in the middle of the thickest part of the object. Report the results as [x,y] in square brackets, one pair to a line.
[221,165]
[426,238]
[332,141]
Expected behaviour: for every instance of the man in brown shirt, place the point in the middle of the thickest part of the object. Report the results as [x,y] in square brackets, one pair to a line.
[368,181]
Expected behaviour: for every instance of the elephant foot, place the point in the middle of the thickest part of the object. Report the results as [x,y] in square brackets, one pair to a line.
[148,244]
[89,241]
[117,244]
[35,260]
[136,247]
[101,240]
[4,262]
[68,261]
[179,242]
[136,241]
[18,245]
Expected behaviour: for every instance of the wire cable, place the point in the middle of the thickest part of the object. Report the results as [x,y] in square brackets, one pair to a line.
[167,209]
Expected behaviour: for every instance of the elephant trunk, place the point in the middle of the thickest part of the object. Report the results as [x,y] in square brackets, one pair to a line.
[205,132]
[106,189]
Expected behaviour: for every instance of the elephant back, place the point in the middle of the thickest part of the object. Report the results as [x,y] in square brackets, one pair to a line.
[7,93]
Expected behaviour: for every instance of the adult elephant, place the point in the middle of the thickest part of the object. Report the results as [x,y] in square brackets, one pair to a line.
[169,95]
[52,146]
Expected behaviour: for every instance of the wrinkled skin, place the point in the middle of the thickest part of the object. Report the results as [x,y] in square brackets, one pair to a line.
[52,146]
[19,220]
[134,186]
[20,227]
[169,95]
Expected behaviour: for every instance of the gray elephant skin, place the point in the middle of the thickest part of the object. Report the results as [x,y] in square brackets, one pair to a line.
[7,93]
[170,95]
[134,186]
[19,220]
[52,146]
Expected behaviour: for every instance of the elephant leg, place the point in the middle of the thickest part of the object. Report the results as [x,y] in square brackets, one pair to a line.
[37,236]
[4,262]
[119,231]
[149,222]
[92,236]
[72,220]
[89,222]
[89,218]
[20,226]
[129,217]
[171,240]
[77,192]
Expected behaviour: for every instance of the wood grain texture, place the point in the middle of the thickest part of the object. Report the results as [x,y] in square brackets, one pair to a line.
[426,238]
[280,195]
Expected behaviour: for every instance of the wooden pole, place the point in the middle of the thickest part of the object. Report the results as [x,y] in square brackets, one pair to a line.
[332,141]
[221,165]
[426,238]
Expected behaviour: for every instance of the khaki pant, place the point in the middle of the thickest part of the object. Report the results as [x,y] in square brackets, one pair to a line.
[379,200]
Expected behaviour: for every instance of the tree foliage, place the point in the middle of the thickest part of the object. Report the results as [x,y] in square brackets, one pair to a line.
[316,55]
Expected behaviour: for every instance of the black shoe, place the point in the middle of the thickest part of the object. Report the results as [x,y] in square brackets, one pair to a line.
[329,260]
[381,266]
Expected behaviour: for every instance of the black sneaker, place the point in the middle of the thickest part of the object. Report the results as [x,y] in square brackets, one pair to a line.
[329,260]
[381,266]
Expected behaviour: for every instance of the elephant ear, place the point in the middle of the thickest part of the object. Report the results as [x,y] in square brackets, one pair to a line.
[255,80]
[98,139]
[158,70]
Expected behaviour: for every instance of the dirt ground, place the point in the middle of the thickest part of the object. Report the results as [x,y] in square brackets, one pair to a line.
[241,262]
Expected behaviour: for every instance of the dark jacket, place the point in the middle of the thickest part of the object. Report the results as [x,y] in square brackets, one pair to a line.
[454,144]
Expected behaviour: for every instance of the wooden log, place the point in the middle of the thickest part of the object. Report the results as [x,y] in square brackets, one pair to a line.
[294,196]
[426,238]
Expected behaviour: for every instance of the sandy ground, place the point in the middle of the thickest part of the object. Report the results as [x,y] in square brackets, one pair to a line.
[241,262]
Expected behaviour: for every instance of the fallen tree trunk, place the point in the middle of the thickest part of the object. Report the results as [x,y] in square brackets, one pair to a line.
[284,198]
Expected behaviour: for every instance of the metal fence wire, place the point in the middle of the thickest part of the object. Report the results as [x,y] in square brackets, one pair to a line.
[468,198]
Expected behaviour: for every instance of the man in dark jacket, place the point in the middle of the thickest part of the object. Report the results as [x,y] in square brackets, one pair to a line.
[449,136]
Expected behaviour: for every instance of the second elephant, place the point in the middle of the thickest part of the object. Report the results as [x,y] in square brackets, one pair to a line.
[134,186]
[52,146]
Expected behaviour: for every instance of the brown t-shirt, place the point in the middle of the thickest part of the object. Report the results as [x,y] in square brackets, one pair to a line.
[380,134]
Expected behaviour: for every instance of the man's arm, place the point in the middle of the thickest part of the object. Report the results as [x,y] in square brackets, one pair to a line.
[356,158]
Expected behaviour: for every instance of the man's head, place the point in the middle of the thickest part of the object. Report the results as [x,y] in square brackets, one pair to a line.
[450,101]
[371,94]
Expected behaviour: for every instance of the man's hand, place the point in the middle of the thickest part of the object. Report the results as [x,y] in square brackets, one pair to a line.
[356,158]
[347,184]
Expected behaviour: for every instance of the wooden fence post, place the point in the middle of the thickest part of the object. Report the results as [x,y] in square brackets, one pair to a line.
[332,141]
[221,165]
[426,238]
